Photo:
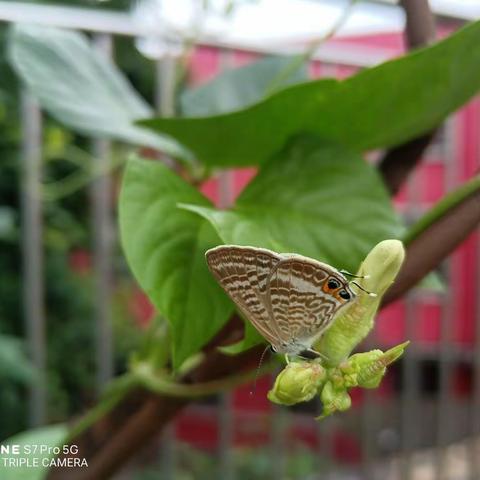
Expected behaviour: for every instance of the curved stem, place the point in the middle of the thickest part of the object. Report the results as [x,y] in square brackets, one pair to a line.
[400,161]
[162,385]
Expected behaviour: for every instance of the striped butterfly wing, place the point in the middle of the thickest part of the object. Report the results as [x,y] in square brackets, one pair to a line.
[299,307]
[243,272]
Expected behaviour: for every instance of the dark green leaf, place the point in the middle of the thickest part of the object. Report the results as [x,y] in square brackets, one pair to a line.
[238,87]
[379,107]
[81,88]
[249,136]
[165,249]
[316,199]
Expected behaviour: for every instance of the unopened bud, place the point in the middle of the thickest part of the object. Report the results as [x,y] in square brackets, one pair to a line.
[297,382]
[334,400]
[372,367]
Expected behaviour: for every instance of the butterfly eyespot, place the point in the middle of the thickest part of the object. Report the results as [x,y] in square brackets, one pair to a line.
[333,284]
[344,294]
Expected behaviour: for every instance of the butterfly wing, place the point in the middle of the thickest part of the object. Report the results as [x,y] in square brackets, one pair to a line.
[243,272]
[300,307]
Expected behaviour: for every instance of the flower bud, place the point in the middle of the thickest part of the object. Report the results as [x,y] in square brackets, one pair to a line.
[372,367]
[297,382]
[369,371]
[334,400]
[353,323]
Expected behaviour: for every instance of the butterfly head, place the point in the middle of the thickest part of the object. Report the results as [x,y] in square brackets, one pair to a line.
[353,282]
[338,287]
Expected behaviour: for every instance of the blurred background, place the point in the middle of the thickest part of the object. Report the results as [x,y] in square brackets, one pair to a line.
[71,314]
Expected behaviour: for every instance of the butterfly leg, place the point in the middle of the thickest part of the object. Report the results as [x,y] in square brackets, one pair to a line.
[311,354]
[287,359]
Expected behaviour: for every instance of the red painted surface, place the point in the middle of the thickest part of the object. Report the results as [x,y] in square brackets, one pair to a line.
[204,64]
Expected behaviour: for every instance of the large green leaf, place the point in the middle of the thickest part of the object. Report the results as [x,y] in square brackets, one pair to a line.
[379,107]
[238,87]
[316,199]
[80,87]
[45,437]
[165,248]
[249,136]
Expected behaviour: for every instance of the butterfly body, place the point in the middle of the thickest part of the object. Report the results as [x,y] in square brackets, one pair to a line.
[290,299]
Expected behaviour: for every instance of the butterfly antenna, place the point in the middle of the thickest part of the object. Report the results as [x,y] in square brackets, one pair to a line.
[262,356]
[363,289]
[345,272]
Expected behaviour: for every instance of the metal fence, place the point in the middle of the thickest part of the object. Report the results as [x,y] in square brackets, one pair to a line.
[412,435]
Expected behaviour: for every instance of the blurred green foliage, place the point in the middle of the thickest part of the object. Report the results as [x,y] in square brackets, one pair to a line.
[70,328]
[69,319]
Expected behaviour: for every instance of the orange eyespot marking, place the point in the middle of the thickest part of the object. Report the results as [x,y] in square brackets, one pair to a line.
[331,285]
[343,295]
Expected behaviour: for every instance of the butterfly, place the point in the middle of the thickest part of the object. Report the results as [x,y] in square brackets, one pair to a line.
[290,299]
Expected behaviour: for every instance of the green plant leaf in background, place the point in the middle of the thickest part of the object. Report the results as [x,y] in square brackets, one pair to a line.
[50,436]
[238,87]
[379,107]
[14,363]
[314,198]
[81,88]
[165,248]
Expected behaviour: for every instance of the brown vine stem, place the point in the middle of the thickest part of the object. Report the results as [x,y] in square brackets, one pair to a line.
[439,238]
[398,162]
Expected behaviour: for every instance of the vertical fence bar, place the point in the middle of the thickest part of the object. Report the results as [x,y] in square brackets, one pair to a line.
[165,86]
[475,407]
[368,426]
[226,468]
[368,423]
[444,408]
[410,393]
[32,253]
[101,195]
[331,467]
[474,446]
[168,453]
[327,429]
[226,431]
[164,97]
[410,374]
[278,439]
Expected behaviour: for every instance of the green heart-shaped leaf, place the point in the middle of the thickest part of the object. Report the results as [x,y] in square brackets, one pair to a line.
[165,249]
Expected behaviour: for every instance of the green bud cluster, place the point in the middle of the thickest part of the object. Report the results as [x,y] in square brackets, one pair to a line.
[332,377]
[301,381]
